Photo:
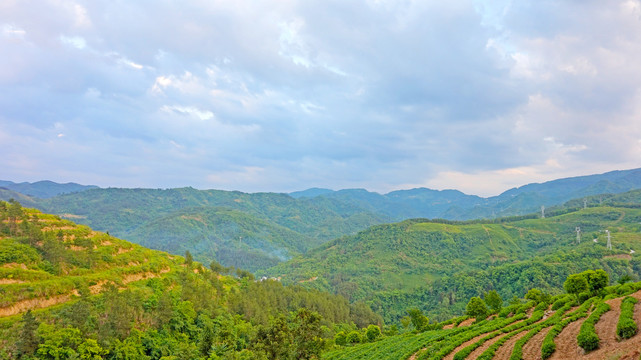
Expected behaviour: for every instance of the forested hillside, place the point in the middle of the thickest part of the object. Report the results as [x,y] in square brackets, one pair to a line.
[437,265]
[68,292]
[252,231]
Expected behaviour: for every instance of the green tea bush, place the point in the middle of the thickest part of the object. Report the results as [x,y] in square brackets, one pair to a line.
[560,302]
[588,338]
[626,327]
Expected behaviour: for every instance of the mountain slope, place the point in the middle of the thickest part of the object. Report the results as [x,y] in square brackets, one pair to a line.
[429,264]
[229,236]
[275,226]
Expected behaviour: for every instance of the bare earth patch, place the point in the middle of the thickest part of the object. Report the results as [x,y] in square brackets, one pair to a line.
[25,305]
[10,281]
[532,348]
[606,329]
[467,322]
[15,265]
[505,350]
[619,256]
[479,350]
[450,356]
[566,344]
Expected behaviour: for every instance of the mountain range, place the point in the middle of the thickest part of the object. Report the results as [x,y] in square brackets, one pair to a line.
[256,231]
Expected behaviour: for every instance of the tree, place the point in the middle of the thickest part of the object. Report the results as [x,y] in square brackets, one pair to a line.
[28,341]
[354,337]
[419,320]
[476,308]
[373,332]
[537,295]
[597,279]
[58,343]
[216,267]
[494,301]
[90,350]
[307,334]
[624,279]
[575,284]
[189,259]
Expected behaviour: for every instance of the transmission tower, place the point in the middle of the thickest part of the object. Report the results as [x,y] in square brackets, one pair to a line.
[578,235]
[609,245]
[542,211]
[585,203]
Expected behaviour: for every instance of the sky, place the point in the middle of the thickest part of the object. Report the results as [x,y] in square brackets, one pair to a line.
[479,96]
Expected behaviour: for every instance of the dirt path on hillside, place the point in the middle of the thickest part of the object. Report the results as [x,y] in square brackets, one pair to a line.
[450,356]
[25,305]
[505,350]
[467,322]
[39,303]
[479,350]
[532,348]
[566,344]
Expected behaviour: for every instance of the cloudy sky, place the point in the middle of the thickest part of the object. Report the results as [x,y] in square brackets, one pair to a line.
[285,95]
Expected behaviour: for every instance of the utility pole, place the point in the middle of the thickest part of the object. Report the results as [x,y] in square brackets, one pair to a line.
[578,235]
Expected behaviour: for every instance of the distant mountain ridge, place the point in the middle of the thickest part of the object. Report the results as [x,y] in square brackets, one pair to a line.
[455,205]
[44,189]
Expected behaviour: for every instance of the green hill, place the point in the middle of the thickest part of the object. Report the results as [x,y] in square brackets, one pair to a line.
[68,292]
[436,265]
[274,226]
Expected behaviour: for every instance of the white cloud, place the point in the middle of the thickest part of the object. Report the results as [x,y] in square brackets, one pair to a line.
[77,42]
[188,110]
[11,31]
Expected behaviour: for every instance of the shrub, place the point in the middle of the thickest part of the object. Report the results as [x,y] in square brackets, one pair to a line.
[560,302]
[541,306]
[587,338]
[626,327]
[548,348]
[353,337]
[508,310]
[373,332]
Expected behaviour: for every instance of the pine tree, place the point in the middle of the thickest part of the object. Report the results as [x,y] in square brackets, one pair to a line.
[28,341]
